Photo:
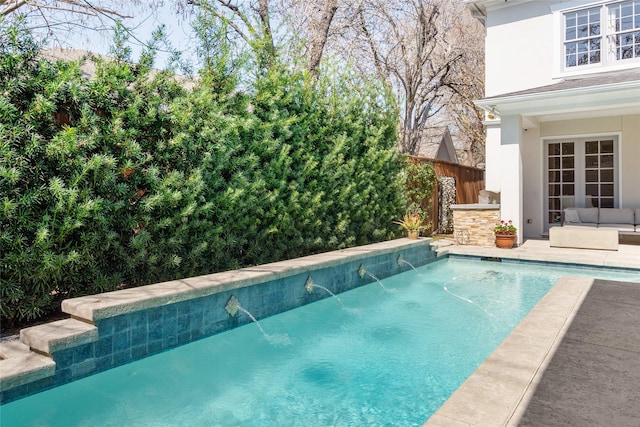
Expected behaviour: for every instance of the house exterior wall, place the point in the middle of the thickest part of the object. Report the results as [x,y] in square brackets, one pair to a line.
[513,60]
[525,50]
[532,183]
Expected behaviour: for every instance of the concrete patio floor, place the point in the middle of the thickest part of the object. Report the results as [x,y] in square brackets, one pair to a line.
[573,361]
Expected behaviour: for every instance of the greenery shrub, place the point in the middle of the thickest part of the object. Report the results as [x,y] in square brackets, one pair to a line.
[127,178]
[420,182]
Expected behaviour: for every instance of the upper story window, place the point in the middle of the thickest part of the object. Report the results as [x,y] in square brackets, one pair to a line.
[602,34]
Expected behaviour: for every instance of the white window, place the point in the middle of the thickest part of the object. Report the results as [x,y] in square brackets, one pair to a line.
[604,34]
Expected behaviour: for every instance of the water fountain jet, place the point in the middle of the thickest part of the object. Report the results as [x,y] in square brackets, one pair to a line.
[310,284]
[404,261]
[363,272]
[233,306]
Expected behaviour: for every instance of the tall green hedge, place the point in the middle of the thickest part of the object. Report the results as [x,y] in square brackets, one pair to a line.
[127,178]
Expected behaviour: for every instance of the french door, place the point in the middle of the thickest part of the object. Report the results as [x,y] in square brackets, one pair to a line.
[580,172]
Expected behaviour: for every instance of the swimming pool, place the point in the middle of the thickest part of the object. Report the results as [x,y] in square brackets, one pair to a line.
[384,354]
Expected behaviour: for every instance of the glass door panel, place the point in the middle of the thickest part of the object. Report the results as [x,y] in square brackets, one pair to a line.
[560,179]
[599,173]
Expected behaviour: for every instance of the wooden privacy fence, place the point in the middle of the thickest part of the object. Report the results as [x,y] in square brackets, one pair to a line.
[469,182]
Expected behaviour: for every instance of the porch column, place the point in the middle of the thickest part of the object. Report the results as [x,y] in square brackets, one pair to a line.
[493,171]
[511,177]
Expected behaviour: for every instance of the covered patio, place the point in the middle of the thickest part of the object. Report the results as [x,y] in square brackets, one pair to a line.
[575,143]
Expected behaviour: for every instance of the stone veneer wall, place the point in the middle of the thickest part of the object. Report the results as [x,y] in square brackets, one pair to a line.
[114,328]
[473,224]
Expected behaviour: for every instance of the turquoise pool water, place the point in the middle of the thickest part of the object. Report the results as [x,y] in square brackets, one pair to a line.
[379,356]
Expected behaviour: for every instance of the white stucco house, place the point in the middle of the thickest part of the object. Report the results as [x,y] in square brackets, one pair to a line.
[562,106]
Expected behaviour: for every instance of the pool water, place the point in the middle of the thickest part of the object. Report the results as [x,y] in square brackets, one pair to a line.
[386,354]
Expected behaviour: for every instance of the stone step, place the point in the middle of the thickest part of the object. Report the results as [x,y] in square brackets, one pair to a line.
[60,335]
[19,365]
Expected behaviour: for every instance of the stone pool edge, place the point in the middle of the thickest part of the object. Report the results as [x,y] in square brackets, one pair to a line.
[499,391]
[114,328]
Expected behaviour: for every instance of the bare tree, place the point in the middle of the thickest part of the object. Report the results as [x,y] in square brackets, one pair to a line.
[62,21]
[319,34]
[82,7]
[465,35]
[406,41]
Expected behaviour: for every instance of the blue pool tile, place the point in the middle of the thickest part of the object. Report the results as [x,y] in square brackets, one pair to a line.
[169,328]
[184,338]
[184,324]
[138,319]
[105,327]
[83,369]
[104,346]
[139,336]
[41,384]
[121,341]
[121,323]
[154,346]
[121,357]
[154,315]
[14,393]
[183,308]
[169,341]
[155,331]
[139,351]
[169,312]
[64,358]
[83,352]
[197,323]
[105,362]
[62,376]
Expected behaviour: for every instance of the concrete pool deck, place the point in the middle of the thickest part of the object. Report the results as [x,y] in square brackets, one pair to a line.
[591,362]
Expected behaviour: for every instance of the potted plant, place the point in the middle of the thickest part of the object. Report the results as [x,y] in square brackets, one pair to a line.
[412,222]
[505,233]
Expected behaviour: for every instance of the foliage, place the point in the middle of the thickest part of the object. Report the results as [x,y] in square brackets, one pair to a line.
[412,221]
[420,181]
[505,228]
[128,178]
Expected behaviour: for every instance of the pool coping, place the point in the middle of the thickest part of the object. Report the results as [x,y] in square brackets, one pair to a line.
[498,392]
[109,304]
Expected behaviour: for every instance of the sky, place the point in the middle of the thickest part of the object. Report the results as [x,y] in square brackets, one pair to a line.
[143,23]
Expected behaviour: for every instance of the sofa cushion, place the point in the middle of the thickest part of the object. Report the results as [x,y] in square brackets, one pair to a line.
[571,216]
[619,227]
[588,215]
[615,216]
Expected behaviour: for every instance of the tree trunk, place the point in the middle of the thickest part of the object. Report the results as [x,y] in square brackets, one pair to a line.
[319,34]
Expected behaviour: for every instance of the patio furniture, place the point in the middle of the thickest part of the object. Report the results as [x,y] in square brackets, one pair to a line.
[623,220]
[583,237]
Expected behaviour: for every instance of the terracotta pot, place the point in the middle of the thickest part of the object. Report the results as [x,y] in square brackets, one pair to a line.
[413,234]
[505,241]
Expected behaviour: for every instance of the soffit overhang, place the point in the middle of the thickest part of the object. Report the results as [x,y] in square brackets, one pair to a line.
[608,99]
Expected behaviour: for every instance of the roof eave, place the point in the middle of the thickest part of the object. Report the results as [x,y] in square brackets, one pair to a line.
[615,95]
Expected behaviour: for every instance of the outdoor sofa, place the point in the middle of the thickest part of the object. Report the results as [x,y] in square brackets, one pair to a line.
[595,228]
[625,220]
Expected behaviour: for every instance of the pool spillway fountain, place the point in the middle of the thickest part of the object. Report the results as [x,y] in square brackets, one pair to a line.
[233,306]
[362,272]
[402,261]
[309,285]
